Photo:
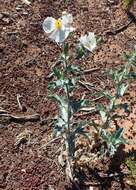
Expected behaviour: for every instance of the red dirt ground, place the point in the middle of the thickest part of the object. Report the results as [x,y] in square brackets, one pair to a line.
[26,56]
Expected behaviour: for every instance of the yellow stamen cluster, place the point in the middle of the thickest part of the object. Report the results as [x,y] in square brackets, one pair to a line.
[58,24]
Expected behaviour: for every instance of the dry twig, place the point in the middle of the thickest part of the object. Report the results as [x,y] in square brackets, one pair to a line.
[20,119]
[124,27]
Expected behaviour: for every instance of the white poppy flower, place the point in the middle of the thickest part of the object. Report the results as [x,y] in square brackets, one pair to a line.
[88,41]
[59,29]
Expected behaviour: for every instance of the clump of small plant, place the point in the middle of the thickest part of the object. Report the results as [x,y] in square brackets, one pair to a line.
[128,3]
[131,58]
[109,131]
[131,164]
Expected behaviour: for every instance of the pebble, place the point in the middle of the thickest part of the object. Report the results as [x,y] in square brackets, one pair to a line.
[6,20]
[26,2]
[1,16]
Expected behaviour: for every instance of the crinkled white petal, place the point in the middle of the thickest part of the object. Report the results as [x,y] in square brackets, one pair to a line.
[49,24]
[59,35]
[91,35]
[83,39]
[92,40]
[67,19]
[68,30]
[88,41]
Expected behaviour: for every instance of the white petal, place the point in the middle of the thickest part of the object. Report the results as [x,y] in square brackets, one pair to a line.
[92,40]
[67,19]
[91,35]
[88,47]
[70,29]
[83,39]
[59,35]
[49,24]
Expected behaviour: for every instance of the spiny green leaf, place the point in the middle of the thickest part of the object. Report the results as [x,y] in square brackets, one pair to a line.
[112,104]
[59,99]
[66,49]
[76,105]
[118,134]
[81,51]
[80,127]
[108,95]
[58,73]
[57,84]
[122,89]
[103,116]
[73,68]
[103,112]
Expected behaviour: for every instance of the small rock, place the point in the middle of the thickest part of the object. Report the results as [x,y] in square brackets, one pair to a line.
[18,8]
[5,14]
[6,20]
[91,188]
[26,2]
[50,187]
[23,170]
[25,13]
[1,16]
[1,126]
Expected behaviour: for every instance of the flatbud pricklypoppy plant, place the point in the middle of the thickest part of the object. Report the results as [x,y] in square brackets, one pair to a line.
[65,78]
[65,127]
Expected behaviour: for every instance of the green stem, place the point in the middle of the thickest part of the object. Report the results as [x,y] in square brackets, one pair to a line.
[65,65]
[69,168]
[68,108]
